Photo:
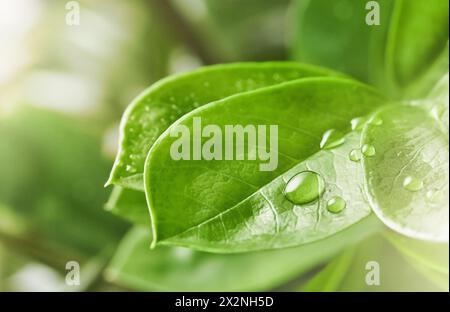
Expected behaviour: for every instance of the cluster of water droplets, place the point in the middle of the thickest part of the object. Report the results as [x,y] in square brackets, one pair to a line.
[308,186]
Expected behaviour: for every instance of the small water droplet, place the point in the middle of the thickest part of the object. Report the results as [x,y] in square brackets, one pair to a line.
[358,123]
[304,187]
[276,77]
[437,112]
[412,184]
[130,169]
[355,155]
[331,139]
[434,196]
[336,204]
[206,84]
[377,121]
[368,150]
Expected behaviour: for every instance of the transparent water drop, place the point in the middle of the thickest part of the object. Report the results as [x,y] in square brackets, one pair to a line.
[331,139]
[368,150]
[355,155]
[358,123]
[336,204]
[412,184]
[434,196]
[377,121]
[130,169]
[304,187]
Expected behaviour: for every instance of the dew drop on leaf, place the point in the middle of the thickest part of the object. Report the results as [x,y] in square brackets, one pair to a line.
[130,169]
[331,139]
[434,196]
[368,150]
[358,123]
[304,187]
[336,204]
[412,184]
[376,121]
[355,155]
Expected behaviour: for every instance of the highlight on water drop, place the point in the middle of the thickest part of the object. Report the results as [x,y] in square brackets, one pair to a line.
[331,139]
[368,150]
[358,123]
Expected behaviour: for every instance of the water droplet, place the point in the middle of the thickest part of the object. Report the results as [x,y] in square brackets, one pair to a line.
[368,150]
[358,123]
[206,84]
[331,138]
[434,196]
[276,77]
[336,204]
[437,112]
[130,169]
[412,184]
[377,121]
[355,155]
[304,187]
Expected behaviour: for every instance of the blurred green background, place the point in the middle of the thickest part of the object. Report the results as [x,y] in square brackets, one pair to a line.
[63,89]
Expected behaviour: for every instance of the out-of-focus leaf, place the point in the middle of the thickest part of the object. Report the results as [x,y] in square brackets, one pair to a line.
[129,204]
[404,55]
[234,23]
[335,34]
[181,269]
[330,278]
[52,171]
[418,36]
[431,255]
[395,272]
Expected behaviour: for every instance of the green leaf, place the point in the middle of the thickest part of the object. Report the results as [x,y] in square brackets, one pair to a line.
[354,47]
[418,36]
[166,101]
[129,204]
[407,178]
[396,273]
[434,256]
[405,55]
[232,206]
[51,173]
[181,269]
[330,278]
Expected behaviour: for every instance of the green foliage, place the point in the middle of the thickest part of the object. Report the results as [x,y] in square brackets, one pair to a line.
[51,168]
[404,55]
[182,269]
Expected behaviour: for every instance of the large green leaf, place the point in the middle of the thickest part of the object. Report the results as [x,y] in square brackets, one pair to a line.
[407,177]
[231,206]
[181,269]
[166,101]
